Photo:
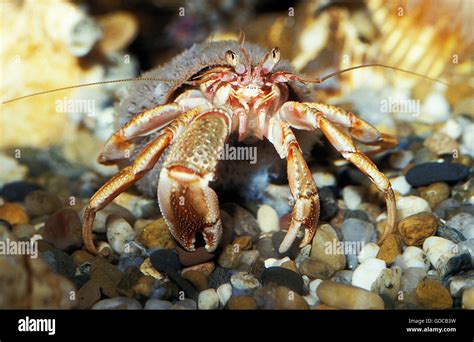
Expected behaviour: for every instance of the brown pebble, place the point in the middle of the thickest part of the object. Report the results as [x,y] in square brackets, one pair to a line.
[432,295]
[242,303]
[390,248]
[79,257]
[440,143]
[206,268]
[107,276]
[287,299]
[144,286]
[321,306]
[40,202]
[63,229]
[345,296]
[415,229]
[244,242]
[435,193]
[316,269]
[230,257]
[198,279]
[199,256]
[157,235]
[13,213]
[88,295]
[290,265]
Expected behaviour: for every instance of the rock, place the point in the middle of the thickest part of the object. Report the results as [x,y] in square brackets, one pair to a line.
[325,248]
[147,269]
[23,231]
[244,243]
[357,230]
[453,264]
[167,290]
[165,260]
[432,295]
[328,204]
[268,219]
[414,257]
[367,273]
[352,196]
[198,279]
[218,277]
[60,262]
[199,256]
[345,296]
[388,282]
[464,193]
[128,261]
[450,234]
[119,232]
[436,247]
[441,143]
[13,213]
[429,173]
[343,276]
[459,283]
[157,304]
[303,254]
[107,276]
[249,257]
[243,221]
[290,265]
[400,159]
[283,277]
[446,207]
[206,268]
[390,249]
[185,304]
[144,286]
[316,269]
[257,268]
[287,299]
[468,299]
[17,191]
[157,235]
[435,193]
[464,223]
[63,229]
[125,287]
[88,295]
[357,214]
[118,303]
[323,179]
[243,281]
[467,247]
[369,251]
[272,262]
[208,300]
[313,286]
[138,205]
[409,280]
[79,257]
[411,205]
[183,285]
[224,292]
[41,202]
[230,257]
[242,303]
[265,248]
[400,185]
[415,229]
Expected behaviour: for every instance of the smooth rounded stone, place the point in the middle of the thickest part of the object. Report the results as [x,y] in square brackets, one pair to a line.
[79,257]
[290,265]
[243,281]
[328,204]
[352,196]
[208,300]
[415,229]
[60,262]
[325,248]
[119,232]
[118,303]
[147,269]
[198,279]
[183,285]
[249,257]
[242,303]
[400,159]
[244,243]
[277,239]
[414,257]
[410,279]
[205,268]
[199,256]
[464,223]
[17,191]
[435,247]
[447,206]
[451,234]
[453,264]
[144,286]
[157,235]
[435,193]
[224,292]
[157,304]
[357,231]
[467,247]
[343,276]
[265,248]
[243,221]
[22,231]
[128,261]
[346,296]
[390,249]
[323,179]
[313,286]
[468,299]
[107,276]
[230,257]
[357,214]
[88,295]
[369,251]
[464,193]
[388,282]
[452,128]
[185,304]
[272,262]
[304,253]
[219,276]
[165,260]
[40,202]
[411,205]
[429,173]
[63,229]
[315,269]
[268,219]
[432,295]
[367,273]
[286,299]
[13,213]
[458,283]
[400,185]
[283,277]
[441,143]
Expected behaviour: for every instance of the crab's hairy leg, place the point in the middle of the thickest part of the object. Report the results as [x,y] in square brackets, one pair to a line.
[121,145]
[126,177]
[186,201]
[305,211]
[302,116]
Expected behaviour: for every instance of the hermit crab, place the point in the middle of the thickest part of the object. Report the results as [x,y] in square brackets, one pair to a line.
[182,114]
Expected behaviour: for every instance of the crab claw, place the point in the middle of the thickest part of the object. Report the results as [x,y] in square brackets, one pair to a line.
[189,206]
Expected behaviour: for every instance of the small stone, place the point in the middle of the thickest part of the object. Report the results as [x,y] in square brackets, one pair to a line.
[388,282]
[199,256]
[414,257]
[432,295]
[243,221]
[286,299]
[367,273]
[224,292]
[79,257]
[452,128]
[119,232]
[313,286]
[370,250]
[165,260]
[400,185]
[451,234]
[435,193]
[326,236]
[244,281]
[390,249]
[144,286]
[316,269]
[184,285]
[268,219]
[272,262]
[290,265]
[429,173]
[242,303]
[467,247]
[157,304]
[468,299]
[147,269]
[345,296]
[59,261]
[464,223]
[185,304]
[352,196]
[157,235]
[63,229]
[410,279]
[464,193]
[199,280]
[107,276]
[459,283]
[400,159]
[208,300]
[41,202]
[283,277]
[328,204]
[357,214]
[13,213]
[371,210]
[17,191]
[323,179]
[23,231]
[411,205]
[441,143]
[343,276]
[249,257]
[446,207]
[88,295]
[205,268]
[244,243]
[218,277]
[415,229]
[265,248]
[230,257]
[118,303]
[436,247]
[357,230]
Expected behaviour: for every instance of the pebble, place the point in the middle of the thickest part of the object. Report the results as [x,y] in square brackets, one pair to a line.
[446,256]
[107,276]
[452,128]
[414,257]
[357,230]
[459,283]
[436,247]
[242,303]
[11,169]
[441,143]
[323,248]
[243,221]
[313,286]
[428,173]
[328,204]
[185,304]
[388,282]
[147,269]
[268,219]
[230,257]
[315,269]
[23,231]
[17,191]
[157,304]
[411,205]
[205,268]
[13,213]
[357,214]
[415,229]
[451,234]
[199,256]
[323,179]
[249,257]
[446,207]
[243,242]
[117,303]
[400,159]
[400,185]
[63,229]
[224,292]
[435,193]
[389,249]
[283,277]
[410,279]
[467,247]
[198,279]
[219,276]
[208,300]
[290,265]
[183,284]
[144,286]
[165,260]
[343,276]
[60,262]
[88,295]
[370,250]
[464,223]
[272,262]
[79,257]
[40,202]
[287,299]
[432,295]
[244,281]
[464,192]
[468,299]
[157,235]
[352,196]
[119,232]
[345,296]
[367,273]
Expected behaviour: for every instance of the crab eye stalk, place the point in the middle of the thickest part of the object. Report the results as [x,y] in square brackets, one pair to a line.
[276,55]
[271,59]
[232,58]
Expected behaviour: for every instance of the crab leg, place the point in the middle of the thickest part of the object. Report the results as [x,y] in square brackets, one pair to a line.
[305,212]
[126,177]
[186,201]
[302,116]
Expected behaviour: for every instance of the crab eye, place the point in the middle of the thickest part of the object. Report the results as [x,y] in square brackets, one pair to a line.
[232,58]
[276,55]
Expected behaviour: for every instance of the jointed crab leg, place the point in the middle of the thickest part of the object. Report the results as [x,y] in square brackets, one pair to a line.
[144,161]
[305,212]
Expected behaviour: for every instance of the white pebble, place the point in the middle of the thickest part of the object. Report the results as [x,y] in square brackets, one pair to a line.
[452,128]
[370,250]
[400,160]
[367,273]
[272,262]
[435,108]
[224,292]
[352,196]
[313,286]
[248,257]
[119,232]
[244,281]
[323,179]
[415,257]
[411,205]
[467,146]
[435,247]
[208,300]
[310,300]
[400,185]
[268,219]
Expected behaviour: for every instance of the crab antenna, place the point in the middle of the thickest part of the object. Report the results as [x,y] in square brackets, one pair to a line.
[85,85]
[244,52]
